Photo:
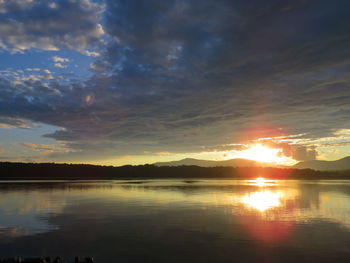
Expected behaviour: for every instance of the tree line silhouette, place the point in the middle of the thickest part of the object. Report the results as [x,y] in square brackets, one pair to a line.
[55,171]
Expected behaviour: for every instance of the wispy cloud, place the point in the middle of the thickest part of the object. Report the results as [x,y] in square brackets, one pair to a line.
[10,123]
[58,59]
[47,149]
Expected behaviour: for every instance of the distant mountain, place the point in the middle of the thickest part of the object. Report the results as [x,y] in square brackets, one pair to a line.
[341,164]
[208,163]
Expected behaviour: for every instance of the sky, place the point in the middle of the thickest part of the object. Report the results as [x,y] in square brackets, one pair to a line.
[138,81]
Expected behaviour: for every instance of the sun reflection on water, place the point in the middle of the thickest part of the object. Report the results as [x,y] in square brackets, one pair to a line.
[260,181]
[263,210]
[262,200]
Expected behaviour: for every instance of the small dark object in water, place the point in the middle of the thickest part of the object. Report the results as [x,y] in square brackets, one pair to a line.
[190,181]
[44,260]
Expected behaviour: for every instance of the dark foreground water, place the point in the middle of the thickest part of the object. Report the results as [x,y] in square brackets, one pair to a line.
[178,220]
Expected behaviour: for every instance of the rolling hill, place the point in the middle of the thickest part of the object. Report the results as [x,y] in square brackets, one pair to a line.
[209,163]
[341,164]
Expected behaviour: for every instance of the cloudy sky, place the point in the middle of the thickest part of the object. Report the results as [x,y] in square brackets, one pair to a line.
[138,81]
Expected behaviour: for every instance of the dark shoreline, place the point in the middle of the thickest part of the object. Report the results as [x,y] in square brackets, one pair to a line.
[53,171]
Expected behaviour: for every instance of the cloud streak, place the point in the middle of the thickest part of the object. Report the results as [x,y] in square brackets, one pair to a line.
[46,149]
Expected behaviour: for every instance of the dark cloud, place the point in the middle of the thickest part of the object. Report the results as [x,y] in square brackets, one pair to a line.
[180,75]
[300,153]
[303,153]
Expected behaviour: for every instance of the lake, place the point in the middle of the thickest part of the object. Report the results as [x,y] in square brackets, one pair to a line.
[177,220]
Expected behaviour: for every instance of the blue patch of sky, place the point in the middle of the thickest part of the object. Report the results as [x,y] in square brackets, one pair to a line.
[11,137]
[77,66]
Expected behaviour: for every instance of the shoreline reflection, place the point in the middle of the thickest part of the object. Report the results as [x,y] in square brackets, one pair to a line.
[263,211]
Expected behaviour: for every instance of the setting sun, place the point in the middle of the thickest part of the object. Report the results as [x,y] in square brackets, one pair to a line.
[261,153]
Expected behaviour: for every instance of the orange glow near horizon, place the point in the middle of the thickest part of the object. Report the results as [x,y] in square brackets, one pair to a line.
[261,153]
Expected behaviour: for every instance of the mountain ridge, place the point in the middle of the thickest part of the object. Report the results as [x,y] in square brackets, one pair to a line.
[321,165]
[237,162]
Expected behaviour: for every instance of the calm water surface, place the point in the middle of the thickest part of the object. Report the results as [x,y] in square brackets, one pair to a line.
[178,220]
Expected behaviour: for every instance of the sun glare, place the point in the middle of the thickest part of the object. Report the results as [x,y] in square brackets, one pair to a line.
[261,153]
